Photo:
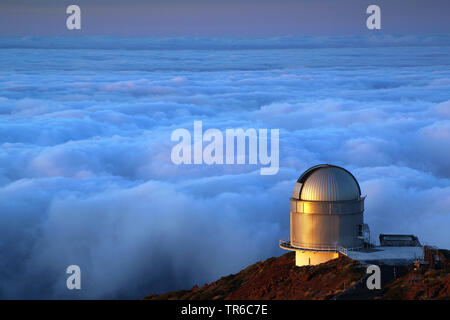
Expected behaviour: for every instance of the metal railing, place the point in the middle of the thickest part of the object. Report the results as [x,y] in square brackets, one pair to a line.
[314,247]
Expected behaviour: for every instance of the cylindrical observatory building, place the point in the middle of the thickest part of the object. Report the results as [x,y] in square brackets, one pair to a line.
[326,215]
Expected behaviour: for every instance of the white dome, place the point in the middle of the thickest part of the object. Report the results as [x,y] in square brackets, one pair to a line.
[329,183]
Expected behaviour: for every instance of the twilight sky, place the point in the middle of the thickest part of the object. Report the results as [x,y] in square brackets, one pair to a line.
[220,18]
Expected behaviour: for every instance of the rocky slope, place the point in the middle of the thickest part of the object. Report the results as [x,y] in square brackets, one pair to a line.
[342,278]
[423,283]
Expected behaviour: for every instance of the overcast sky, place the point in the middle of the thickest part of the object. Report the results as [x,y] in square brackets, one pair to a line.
[221,18]
[86,176]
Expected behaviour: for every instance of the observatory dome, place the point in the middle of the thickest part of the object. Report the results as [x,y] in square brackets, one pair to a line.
[327,213]
[328,183]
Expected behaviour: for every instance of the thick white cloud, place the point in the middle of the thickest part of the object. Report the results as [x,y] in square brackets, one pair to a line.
[85,170]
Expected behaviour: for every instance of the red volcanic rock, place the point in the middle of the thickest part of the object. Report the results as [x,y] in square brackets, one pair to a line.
[279,279]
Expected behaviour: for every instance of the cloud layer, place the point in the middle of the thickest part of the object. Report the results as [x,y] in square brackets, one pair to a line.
[86,176]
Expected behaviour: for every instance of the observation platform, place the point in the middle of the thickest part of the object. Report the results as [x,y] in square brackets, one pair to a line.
[379,254]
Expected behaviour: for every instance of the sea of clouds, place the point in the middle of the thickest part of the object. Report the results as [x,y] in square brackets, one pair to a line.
[85,170]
